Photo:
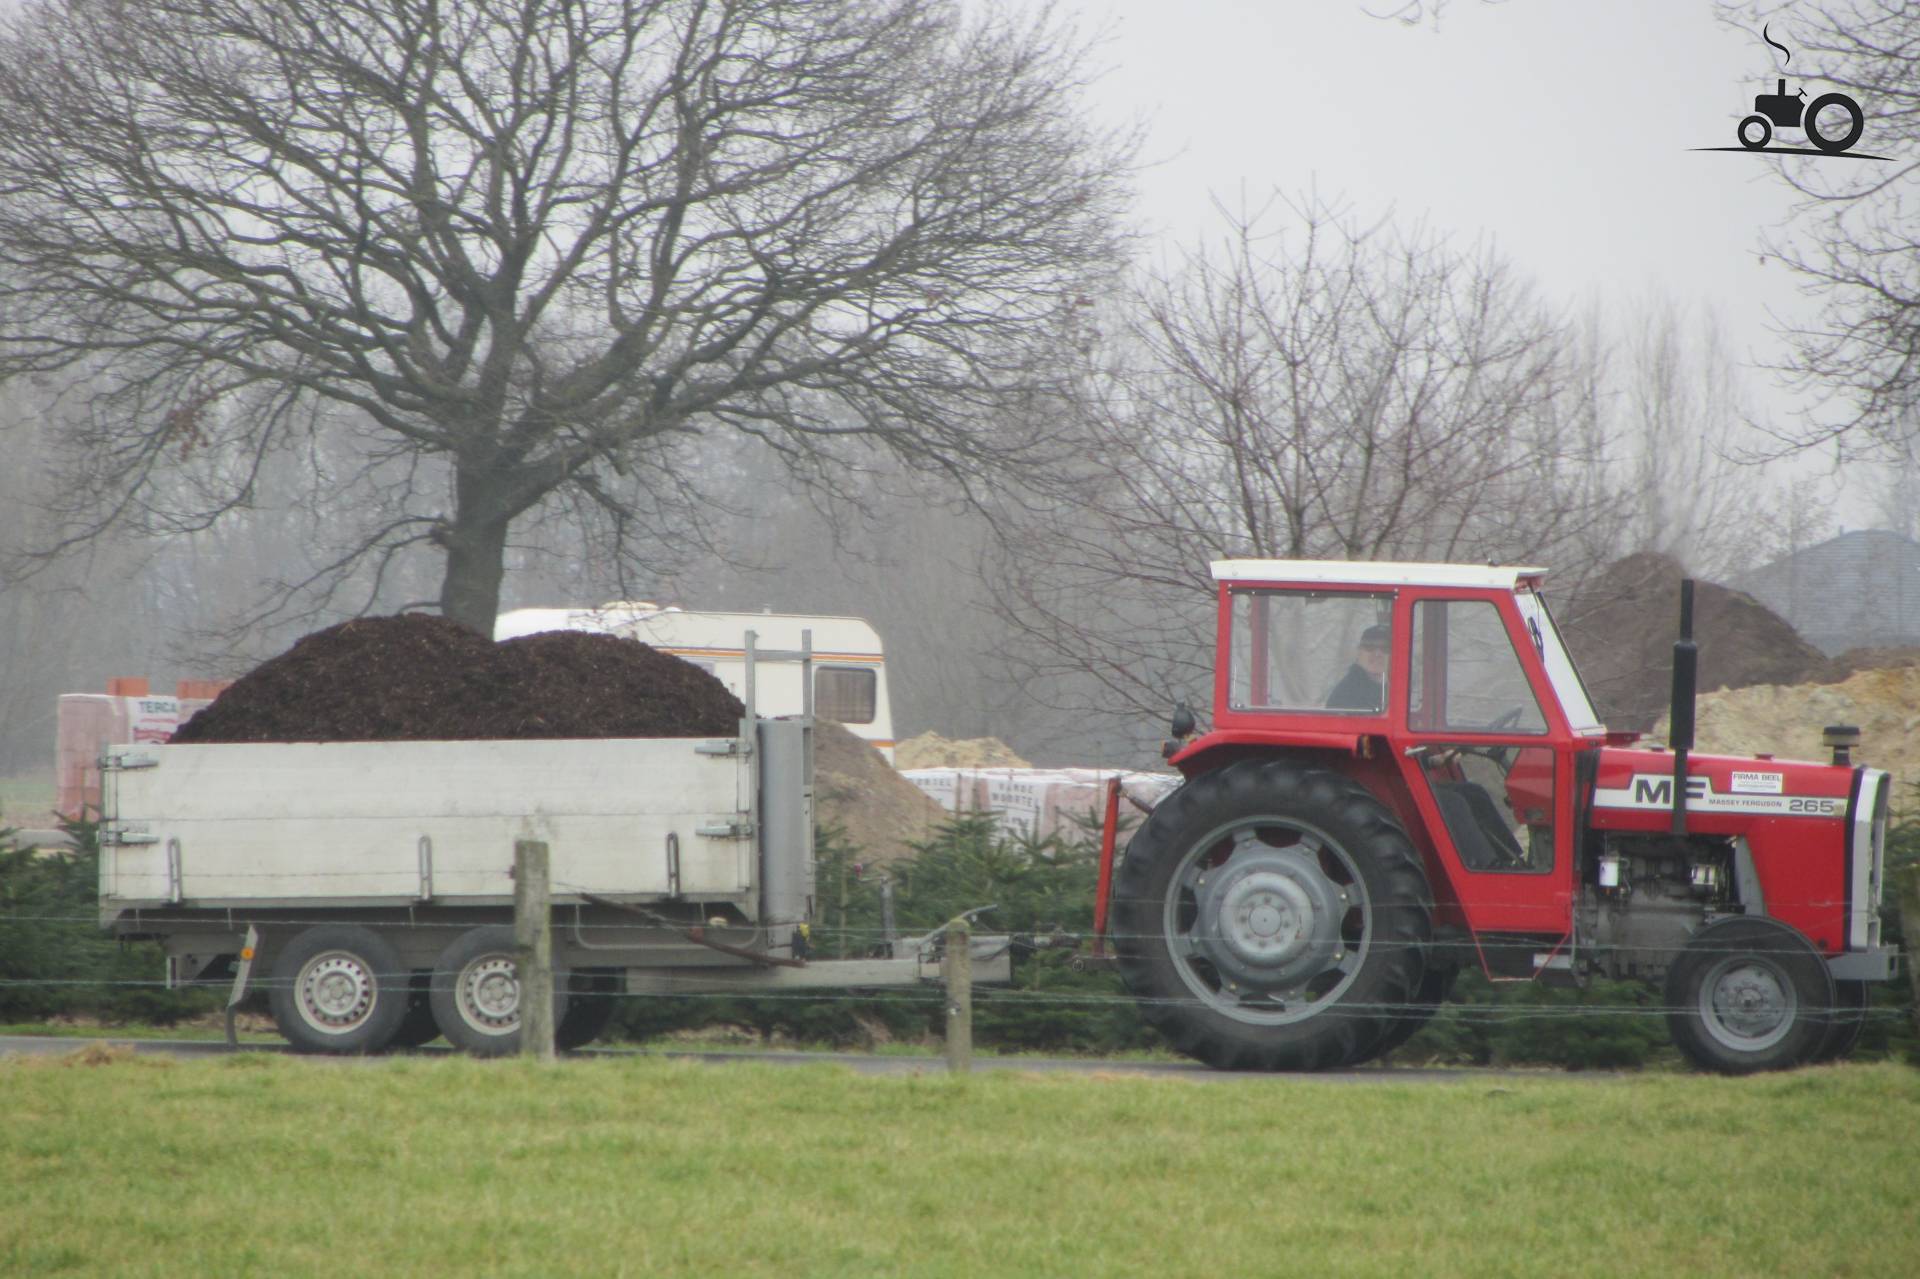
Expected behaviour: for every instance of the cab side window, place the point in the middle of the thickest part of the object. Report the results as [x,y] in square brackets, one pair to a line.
[1466,676]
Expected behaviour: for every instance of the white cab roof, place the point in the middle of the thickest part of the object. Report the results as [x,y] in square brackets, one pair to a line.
[1373,573]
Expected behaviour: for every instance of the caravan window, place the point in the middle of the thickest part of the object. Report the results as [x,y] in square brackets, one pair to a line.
[843,693]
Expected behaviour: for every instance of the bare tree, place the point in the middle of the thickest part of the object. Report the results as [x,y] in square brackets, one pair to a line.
[1330,390]
[1861,247]
[507,251]
[1682,422]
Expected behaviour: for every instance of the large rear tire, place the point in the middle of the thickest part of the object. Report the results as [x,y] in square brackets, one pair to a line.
[338,988]
[476,992]
[1749,994]
[1272,916]
[1434,988]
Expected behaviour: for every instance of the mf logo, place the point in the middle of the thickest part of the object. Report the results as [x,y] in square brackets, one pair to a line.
[1833,122]
[1659,790]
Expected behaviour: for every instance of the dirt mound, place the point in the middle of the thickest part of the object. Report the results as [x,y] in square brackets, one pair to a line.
[930,750]
[1622,625]
[856,789]
[1786,720]
[416,677]
[1855,660]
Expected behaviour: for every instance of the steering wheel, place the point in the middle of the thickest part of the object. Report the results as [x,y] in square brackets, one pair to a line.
[1502,757]
[1506,719]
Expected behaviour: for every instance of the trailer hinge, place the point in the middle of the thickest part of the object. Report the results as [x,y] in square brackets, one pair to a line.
[112,836]
[726,830]
[126,762]
[723,746]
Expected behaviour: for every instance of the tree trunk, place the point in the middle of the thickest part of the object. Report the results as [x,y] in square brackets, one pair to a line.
[476,561]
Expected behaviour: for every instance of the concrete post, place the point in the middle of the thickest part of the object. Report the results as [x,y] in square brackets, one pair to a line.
[533,940]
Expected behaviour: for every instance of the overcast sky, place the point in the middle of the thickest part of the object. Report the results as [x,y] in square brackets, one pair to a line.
[1560,130]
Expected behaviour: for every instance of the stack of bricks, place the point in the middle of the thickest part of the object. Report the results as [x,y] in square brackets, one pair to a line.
[128,712]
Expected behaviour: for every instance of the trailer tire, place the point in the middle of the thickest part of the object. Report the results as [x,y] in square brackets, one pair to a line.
[1269,915]
[590,1006]
[475,993]
[338,988]
[1749,994]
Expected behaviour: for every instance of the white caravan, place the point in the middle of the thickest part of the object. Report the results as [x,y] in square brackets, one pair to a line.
[849,667]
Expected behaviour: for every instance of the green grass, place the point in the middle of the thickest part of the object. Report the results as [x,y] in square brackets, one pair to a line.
[278,1166]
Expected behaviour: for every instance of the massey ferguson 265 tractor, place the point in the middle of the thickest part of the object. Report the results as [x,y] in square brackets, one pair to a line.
[1357,827]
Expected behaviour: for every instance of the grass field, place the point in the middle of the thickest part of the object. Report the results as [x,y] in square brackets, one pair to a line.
[260,1165]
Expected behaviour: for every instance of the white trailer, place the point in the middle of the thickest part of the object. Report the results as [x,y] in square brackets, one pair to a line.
[372,880]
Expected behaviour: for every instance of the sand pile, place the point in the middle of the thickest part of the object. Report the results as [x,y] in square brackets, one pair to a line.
[1786,720]
[856,789]
[930,750]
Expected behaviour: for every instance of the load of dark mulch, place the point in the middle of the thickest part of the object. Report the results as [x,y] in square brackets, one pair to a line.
[1622,625]
[416,677]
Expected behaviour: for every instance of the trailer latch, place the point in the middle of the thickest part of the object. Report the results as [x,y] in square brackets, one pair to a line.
[726,830]
[127,761]
[722,746]
[113,837]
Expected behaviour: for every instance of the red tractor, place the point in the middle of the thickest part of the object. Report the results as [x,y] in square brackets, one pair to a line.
[1404,777]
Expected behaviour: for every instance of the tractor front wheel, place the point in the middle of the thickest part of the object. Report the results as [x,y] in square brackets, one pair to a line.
[1272,916]
[1749,994]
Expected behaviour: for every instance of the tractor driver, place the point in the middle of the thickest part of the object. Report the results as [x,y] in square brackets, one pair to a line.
[1362,688]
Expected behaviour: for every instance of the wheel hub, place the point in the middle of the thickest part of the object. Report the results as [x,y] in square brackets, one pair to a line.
[336,992]
[490,994]
[1750,1002]
[1269,919]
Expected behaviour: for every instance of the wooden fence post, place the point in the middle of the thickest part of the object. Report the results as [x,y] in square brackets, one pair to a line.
[958,970]
[533,939]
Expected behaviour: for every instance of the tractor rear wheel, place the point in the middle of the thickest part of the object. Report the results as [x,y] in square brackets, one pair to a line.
[1749,994]
[1272,916]
[1434,988]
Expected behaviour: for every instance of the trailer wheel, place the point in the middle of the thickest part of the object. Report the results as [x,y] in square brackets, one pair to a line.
[338,988]
[418,1026]
[1749,994]
[476,992]
[1849,1019]
[589,1008]
[1271,916]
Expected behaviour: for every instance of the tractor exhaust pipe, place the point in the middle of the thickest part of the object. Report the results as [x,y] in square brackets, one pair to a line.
[1686,672]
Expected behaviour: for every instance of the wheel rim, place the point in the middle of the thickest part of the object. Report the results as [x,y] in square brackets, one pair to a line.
[488,995]
[1267,920]
[336,992]
[1748,1003]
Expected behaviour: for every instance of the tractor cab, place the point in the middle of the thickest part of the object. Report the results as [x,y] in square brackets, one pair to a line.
[1445,688]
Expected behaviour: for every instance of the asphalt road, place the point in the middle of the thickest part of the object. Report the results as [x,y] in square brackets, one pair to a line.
[861,1063]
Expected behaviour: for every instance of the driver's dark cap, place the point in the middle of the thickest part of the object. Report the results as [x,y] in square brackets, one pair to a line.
[1376,636]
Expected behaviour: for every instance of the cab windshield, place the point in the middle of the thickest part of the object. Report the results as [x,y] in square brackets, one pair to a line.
[1581,717]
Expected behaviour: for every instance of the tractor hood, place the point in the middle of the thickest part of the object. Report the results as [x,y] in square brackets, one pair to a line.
[1726,794]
